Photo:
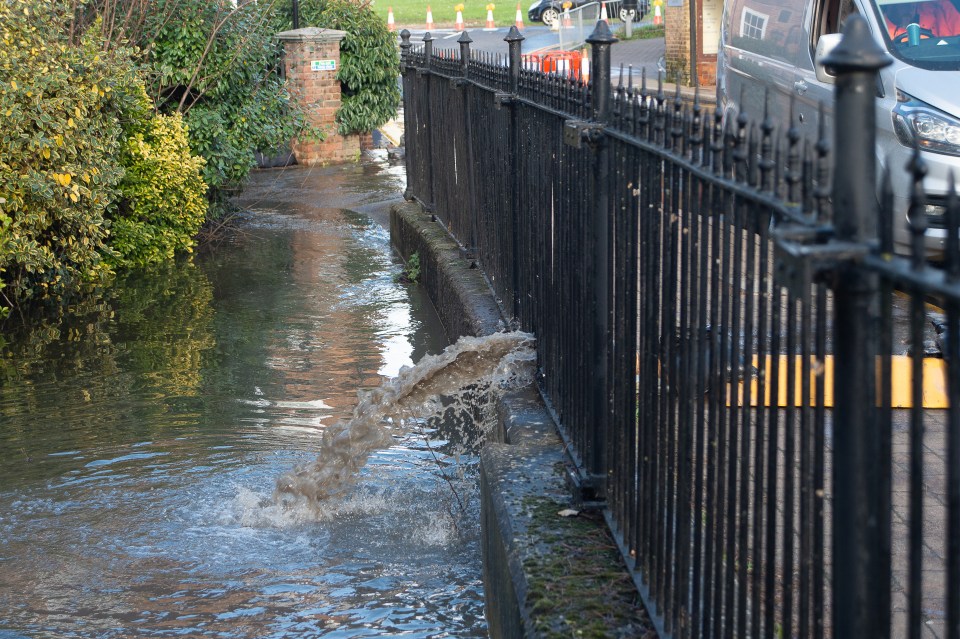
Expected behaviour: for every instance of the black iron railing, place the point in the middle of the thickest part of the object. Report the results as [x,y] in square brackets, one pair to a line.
[720,334]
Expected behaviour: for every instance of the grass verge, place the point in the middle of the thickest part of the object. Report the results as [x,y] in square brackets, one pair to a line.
[413,13]
[645,32]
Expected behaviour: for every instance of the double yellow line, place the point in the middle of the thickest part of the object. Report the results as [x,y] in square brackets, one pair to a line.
[747,392]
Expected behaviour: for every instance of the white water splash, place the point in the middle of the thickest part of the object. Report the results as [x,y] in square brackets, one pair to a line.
[469,373]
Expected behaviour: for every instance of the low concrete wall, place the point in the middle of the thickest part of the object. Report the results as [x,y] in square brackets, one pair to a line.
[459,292]
[545,574]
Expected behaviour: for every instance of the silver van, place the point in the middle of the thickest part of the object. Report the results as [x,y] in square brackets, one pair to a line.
[777,45]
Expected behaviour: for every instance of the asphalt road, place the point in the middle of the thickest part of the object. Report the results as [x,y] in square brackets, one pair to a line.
[634,56]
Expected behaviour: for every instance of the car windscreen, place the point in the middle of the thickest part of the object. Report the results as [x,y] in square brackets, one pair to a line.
[925,34]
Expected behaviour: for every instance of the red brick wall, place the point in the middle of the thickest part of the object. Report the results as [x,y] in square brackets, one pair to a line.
[319,91]
[677,42]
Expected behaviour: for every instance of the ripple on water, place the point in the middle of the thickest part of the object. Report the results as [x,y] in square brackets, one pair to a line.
[142,445]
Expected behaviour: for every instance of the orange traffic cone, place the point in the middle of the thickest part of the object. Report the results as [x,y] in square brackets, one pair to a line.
[603,12]
[656,14]
[585,66]
[567,20]
[459,23]
[390,25]
[491,25]
[519,20]
[429,18]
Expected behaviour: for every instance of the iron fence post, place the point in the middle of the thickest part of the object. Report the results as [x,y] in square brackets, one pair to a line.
[860,607]
[464,41]
[405,46]
[600,41]
[429,205]
[514,39]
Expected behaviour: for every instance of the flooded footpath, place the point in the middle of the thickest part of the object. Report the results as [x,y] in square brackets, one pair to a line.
[142,442]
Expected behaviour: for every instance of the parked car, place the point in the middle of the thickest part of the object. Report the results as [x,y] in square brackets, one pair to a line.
[635,10]
[777,46]
[550,12]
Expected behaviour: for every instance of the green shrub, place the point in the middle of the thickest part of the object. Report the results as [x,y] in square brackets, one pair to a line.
[61,107]
[369,61]
[163,196]
[217,65]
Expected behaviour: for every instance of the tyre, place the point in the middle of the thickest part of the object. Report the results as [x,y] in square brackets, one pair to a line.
[551,17]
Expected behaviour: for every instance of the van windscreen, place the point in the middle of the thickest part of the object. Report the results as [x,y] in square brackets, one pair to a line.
[925,34]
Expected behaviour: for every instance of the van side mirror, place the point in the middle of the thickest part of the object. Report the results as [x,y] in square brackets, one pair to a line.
[825,45]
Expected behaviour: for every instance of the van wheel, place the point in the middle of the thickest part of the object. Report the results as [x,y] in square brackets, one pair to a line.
[550,17]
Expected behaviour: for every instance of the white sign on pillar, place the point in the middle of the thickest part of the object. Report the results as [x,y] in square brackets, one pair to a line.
[323,65]
[710,17]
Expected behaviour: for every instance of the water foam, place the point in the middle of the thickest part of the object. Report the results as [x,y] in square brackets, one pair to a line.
[466,375]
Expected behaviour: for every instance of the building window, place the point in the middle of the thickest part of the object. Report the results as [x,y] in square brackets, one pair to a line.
[753,24]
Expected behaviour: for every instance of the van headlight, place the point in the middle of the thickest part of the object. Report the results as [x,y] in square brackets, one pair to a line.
[933,129]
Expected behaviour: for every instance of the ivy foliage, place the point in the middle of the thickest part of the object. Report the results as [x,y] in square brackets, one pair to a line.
[217,65]
[369,61]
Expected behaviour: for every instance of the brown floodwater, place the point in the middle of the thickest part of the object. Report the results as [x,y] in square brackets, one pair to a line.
[141,440]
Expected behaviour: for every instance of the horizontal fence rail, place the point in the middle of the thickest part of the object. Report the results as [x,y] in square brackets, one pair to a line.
[722,336]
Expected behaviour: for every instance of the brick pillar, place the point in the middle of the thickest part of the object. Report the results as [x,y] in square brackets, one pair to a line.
[676,18]
[311,63]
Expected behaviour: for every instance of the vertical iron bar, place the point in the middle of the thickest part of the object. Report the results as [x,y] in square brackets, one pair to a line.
[514,40]
[819,464]
[918,228]
[953,417]
[773,437]
[805,514]
[600,41]
[408,113]
[820,197]
[430,204]
[729,389]
[857,579]
[472,209]
[789,468]
[745,364]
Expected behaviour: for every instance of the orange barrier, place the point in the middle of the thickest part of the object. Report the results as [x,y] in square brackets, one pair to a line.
[562,62]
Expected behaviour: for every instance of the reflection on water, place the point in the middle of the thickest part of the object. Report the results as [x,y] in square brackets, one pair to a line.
[140,442]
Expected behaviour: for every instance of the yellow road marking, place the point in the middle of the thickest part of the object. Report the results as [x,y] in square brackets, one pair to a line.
[934,382]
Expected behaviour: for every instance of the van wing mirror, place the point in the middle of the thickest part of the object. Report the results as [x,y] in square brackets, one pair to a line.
[825,45]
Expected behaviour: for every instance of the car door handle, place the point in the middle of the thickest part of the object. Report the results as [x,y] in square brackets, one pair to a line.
[800,86]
